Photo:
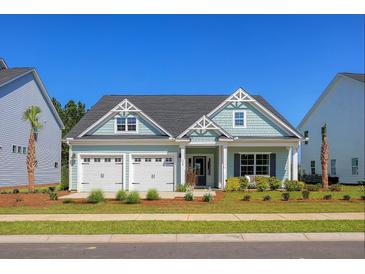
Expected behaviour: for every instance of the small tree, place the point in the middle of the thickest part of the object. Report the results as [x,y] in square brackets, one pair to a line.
[190,177]
[31,115]
[324,157]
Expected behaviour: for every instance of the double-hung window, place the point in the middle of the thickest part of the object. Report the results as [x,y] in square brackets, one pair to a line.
[313,167]
[333,166]
[255,164]
[355,166]
[126,124]
[239,119]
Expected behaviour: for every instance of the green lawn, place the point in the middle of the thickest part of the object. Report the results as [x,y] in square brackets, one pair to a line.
[160,227]
[232,203]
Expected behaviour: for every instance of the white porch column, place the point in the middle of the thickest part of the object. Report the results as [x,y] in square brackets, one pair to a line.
[224,165]
[182,164]
[295,163]
[289,162]
[220,167]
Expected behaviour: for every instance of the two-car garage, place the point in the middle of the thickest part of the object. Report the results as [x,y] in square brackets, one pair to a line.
[108,172]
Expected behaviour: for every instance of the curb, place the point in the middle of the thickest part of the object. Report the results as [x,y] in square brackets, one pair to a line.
[184,238]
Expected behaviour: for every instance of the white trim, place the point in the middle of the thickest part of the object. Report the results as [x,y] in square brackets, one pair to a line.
[206,155]
[204,124]
[70,187]
[121,142]
[289,162]
[234,118]
[124,106]
[182,163]
[220,167]
[163,153]
[245,97]
[126,132]
[85,154]
[224,165]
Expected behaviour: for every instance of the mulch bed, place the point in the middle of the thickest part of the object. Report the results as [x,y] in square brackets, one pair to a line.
[30,199]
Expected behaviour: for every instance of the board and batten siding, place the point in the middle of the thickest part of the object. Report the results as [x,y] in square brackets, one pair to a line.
[282,166]
[15,98]
[344,112]
[257,124]
[144,127]
[123,149]
[205,136]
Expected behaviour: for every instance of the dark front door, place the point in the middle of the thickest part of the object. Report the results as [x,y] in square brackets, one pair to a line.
[200,170]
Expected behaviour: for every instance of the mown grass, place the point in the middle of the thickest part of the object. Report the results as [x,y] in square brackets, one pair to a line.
[231,203]
[165,227]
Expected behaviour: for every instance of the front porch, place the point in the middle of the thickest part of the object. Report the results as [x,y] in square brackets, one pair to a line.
[213,164]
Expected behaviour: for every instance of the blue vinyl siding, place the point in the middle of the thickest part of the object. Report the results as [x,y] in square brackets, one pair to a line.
[144,128]
[257,124]
[281,159]
[125,149]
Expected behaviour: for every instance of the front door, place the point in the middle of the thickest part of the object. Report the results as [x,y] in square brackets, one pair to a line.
[199,167]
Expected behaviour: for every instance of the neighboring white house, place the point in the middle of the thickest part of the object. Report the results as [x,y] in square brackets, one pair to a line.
[21,88]
[341,106]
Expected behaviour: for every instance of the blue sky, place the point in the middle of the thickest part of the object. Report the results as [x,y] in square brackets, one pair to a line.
[287,59]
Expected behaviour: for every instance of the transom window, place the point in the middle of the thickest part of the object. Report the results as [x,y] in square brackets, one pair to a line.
[168,160]
[313,167]
[147,159]
[158,160]
[255,164]
[355,166]
[118,160]
[239,119]
[86,160]
[333,166]
[126,124]
[137,160]
[107,160]
[97,160]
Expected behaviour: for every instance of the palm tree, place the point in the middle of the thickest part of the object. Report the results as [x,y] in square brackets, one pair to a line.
[31,115]
[324,157]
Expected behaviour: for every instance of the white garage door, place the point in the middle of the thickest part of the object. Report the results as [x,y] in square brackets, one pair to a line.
[153,172]
[102,172]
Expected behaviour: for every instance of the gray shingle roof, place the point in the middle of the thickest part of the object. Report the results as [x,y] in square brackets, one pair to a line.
[175,113]
[356,76]
[8,74]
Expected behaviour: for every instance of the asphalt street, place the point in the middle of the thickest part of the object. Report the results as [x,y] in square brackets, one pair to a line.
[248,250]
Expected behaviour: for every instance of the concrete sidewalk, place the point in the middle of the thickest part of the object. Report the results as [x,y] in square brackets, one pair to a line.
[183,238]
[184,217]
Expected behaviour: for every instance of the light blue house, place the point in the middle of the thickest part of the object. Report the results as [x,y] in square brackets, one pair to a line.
[143,142]
[21,88]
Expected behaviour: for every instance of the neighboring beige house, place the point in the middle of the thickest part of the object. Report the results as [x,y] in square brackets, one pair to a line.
[341,106]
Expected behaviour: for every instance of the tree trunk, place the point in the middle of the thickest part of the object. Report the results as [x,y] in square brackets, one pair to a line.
[324,158]
[31,161]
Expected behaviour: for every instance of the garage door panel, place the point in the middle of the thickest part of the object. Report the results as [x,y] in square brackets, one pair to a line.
[155,172]
[102,174]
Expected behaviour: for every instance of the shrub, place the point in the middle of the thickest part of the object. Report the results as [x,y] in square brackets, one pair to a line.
[207,197]
[336,188]
[133,198]
[251,185]
[305,194]
[327,197]
[233,184]
[53,196]
[362,197]
[243,183]
[262,186]
[267,198]
[294,185]
[247,198]
[262,179]
[181,188]
[15,191]
[64,178]
[68,201]
[285,196]
[96,196]
[315,187]
[347,197]
[121,195]
[51,189]
[188,196]
[152,194]
[274,183]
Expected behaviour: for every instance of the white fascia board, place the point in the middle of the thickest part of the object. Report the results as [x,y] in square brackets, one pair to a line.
[122,142]
[113,111]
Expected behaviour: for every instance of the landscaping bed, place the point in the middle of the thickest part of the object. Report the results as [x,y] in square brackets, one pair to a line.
[29,199]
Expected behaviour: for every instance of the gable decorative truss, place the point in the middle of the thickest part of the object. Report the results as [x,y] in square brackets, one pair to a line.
[204,124]
[240,95]
[124,107]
